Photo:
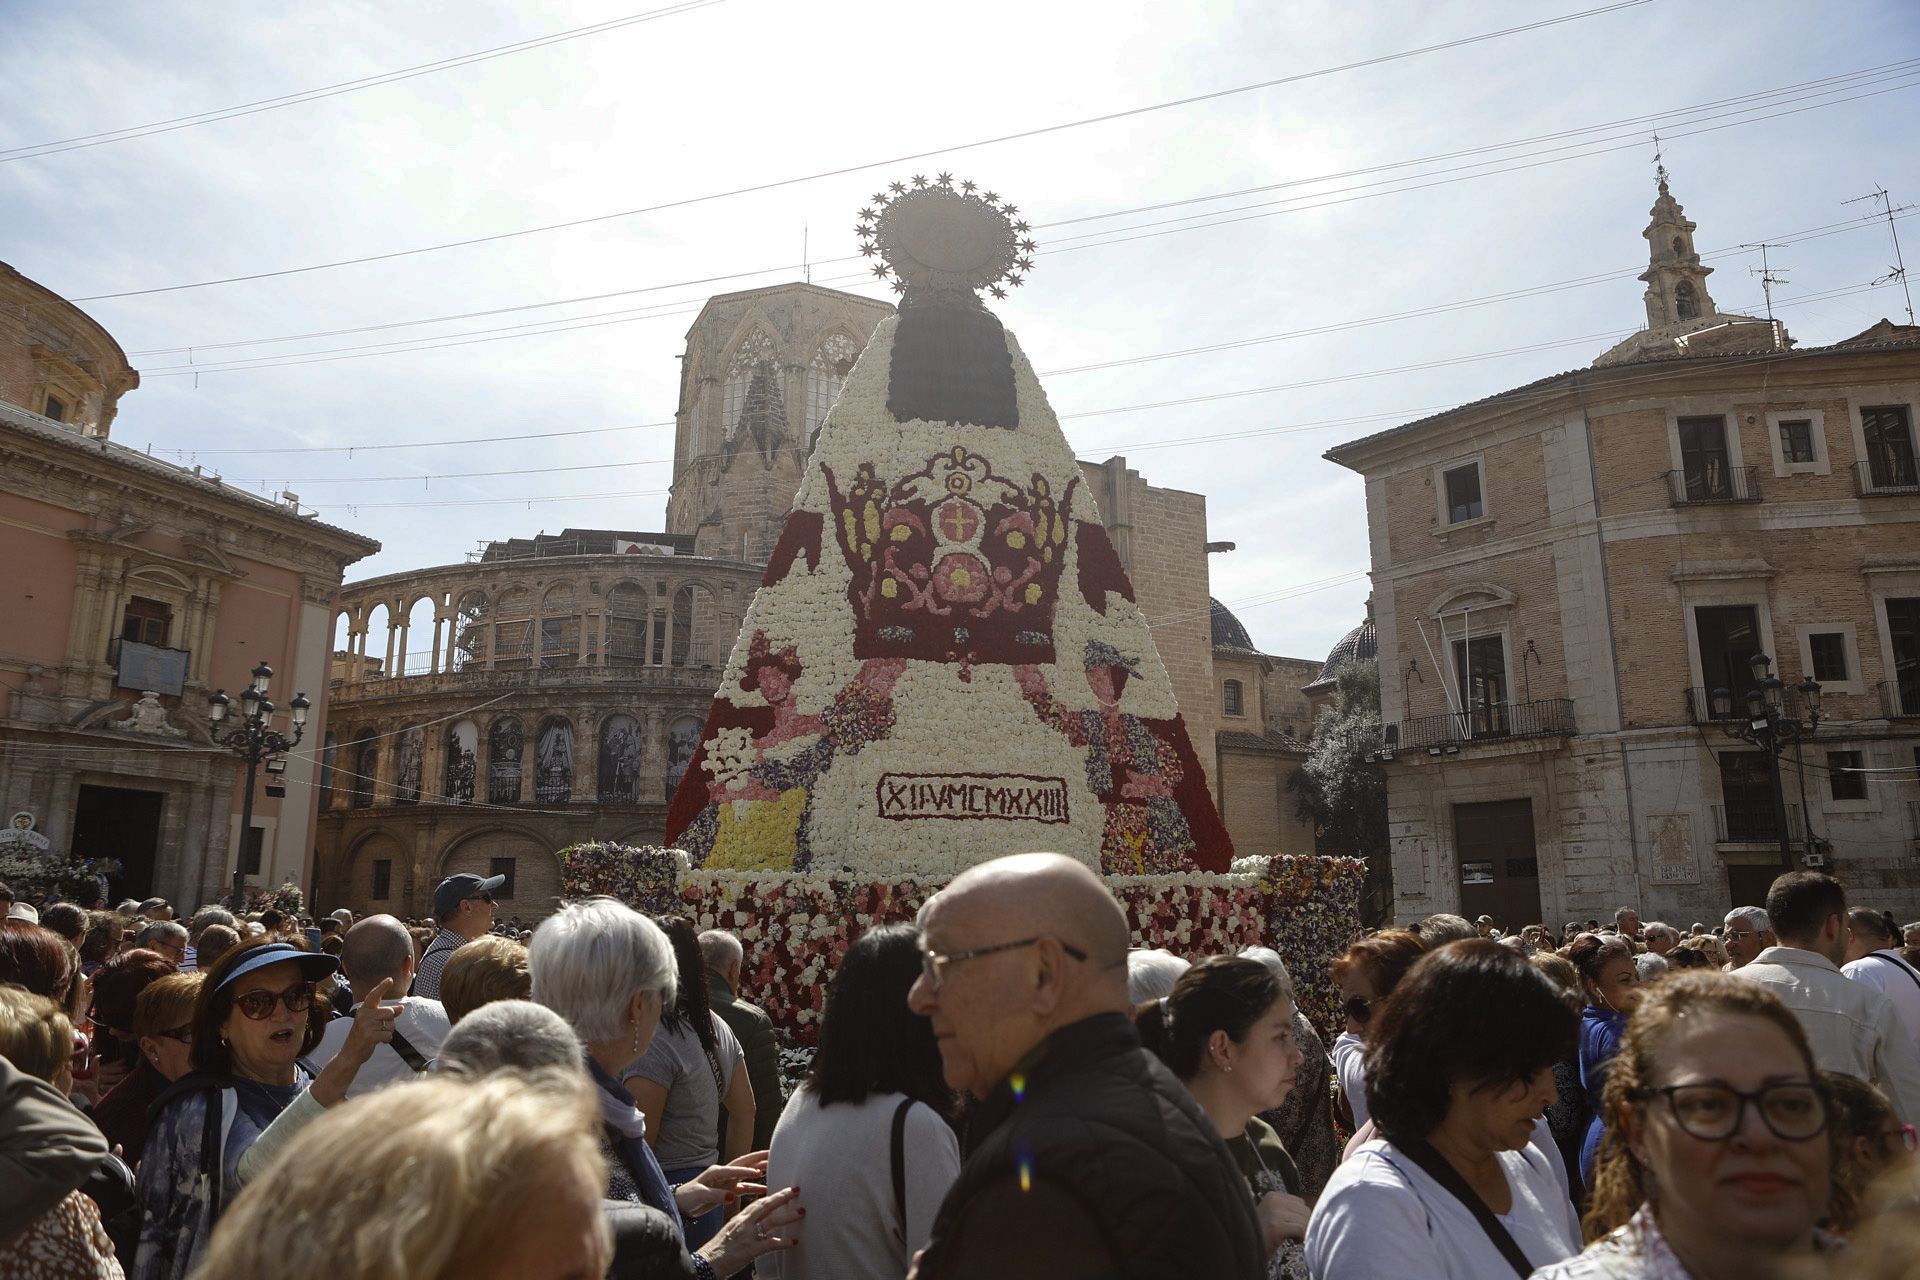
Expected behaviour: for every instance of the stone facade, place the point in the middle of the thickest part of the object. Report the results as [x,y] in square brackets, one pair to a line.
[56,361]
[1563,572]
[124,576]
[760,371]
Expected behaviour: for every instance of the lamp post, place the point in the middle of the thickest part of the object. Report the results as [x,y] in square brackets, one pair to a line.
[254,740]
[1768,726]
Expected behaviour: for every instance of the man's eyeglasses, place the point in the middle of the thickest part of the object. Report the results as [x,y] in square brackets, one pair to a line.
[1714,1112]
[482,896]
[1359,1009]
[934,963]
[258,1005]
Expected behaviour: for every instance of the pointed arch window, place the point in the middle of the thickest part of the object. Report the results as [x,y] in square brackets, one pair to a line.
[752,363]
[1686,301]
[826,375]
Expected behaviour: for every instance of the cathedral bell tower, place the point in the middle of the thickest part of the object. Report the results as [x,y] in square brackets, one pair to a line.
[1676,282]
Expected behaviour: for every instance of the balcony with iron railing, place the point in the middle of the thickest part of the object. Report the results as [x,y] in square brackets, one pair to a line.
[1700,705]
[1713,485]
[1900,699]
[522,674]
[1754,822]
[1489,722]
[1890,477]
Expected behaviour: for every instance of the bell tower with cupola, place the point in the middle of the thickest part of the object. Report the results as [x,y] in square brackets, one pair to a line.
[1676,282]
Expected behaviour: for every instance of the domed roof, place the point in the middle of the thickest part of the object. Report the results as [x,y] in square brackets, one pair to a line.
[1358,645]
[1228,632]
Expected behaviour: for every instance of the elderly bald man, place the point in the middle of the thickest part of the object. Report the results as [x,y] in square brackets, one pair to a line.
[1088,1158]
[725,958]
[376,948]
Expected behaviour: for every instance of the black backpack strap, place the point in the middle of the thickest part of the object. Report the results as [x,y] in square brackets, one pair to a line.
[897,1148]
[1901,966]
[1435,1166]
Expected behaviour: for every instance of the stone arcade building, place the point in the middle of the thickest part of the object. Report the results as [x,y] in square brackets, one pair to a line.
[553,689]
[1562,574]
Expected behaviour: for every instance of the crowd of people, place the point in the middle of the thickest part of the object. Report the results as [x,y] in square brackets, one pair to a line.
[1006,1088]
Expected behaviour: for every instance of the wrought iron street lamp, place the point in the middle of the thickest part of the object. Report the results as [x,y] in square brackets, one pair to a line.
[1768,726]
[254,740]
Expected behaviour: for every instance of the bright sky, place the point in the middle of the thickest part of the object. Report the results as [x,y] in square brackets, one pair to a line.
[716,95]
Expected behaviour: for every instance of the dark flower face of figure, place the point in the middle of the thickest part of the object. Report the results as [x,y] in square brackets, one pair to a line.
[1108,672]
[770,672]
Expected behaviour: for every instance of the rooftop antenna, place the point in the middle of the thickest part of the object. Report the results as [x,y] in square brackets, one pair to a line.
[1899,270]
[1767,278]
[806,265]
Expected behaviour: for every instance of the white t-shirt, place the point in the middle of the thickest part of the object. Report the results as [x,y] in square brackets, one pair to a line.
[1381,1216]
[1897,981]
[1349,1065]
[842,1158]
[422,1021]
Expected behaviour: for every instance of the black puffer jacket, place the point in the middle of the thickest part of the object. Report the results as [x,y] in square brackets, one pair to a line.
[1092,1162]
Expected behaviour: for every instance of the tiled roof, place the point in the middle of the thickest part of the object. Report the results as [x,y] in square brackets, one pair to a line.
[1228,631]
[1243,741]
[1358,645]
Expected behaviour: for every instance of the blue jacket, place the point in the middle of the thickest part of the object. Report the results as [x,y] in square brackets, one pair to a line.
[1600,1032]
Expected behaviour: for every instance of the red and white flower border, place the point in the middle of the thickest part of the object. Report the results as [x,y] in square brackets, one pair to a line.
[795,927]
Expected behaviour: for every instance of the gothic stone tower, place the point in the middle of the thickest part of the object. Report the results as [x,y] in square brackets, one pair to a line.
[760,371]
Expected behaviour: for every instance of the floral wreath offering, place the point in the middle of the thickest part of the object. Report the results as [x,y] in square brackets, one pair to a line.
[945,659]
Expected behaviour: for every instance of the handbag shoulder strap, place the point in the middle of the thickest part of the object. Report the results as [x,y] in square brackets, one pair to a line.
[897,1151]
[408,1054]
[1435,1166]
[1900,965]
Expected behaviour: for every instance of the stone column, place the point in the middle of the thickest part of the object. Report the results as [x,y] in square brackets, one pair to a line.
[433,764]
[586,755]
[653,754]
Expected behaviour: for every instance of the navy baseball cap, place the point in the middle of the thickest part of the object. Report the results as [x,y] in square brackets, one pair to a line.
[313,965]
[456,889]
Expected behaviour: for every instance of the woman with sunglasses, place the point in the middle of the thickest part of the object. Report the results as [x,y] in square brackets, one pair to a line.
[1367,975]
[1716,1160]
[253,1018]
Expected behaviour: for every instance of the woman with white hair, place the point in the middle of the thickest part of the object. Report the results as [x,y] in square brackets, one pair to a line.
[510,1188]
[608,971]
[1151,974]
